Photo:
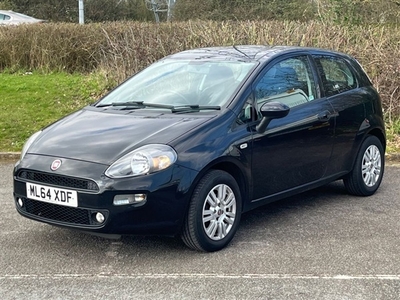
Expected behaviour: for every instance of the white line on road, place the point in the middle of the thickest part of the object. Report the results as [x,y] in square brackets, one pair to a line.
[204,276]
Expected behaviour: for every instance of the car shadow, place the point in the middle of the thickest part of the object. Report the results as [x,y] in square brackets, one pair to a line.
[329,193]
[263,218]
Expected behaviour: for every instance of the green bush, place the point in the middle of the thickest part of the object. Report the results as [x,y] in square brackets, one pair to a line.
[351,12]
[300,10]
[357,12]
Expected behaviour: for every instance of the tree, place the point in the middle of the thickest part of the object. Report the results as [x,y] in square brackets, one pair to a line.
[245,9]
[67,10]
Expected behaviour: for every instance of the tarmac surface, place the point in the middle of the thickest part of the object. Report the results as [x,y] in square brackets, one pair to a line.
[323,244]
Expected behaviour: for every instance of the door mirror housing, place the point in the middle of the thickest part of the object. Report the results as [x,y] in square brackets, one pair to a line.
[269,111]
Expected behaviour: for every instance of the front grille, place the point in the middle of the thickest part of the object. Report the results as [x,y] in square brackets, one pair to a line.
[59,180]
[58,213]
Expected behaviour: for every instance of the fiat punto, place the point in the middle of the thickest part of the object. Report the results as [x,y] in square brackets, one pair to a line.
[193,141]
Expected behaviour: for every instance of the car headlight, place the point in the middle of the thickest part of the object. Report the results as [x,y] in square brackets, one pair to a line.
[144,160]
[29,142]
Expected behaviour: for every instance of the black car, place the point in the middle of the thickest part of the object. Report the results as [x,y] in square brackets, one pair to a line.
[190,143]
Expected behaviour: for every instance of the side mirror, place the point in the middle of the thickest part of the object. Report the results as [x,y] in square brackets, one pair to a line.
[269,111]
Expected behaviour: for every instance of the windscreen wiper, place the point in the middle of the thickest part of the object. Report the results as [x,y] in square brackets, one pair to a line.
[174,109]
[193,108]
[128,103]
[135,104]
[138,104]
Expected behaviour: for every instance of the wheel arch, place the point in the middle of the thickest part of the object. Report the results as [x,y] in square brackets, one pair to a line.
[380,135]
[363,180]
[377,132]
[235,170]
[236,173]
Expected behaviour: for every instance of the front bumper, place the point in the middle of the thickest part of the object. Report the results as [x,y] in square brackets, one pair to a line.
[162,213]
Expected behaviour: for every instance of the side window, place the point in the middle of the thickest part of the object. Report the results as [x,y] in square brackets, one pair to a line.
[289,81]
[336,75]
[4,17]
[248,113]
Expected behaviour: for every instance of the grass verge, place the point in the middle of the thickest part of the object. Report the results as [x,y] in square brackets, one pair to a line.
[393,136]
[31,101]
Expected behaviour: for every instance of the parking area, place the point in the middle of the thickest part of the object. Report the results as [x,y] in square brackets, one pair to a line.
[323,244]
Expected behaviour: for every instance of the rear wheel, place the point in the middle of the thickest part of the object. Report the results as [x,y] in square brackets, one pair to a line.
[214,212]
[366,176]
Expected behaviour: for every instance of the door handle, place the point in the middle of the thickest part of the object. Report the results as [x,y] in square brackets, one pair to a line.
[325,116]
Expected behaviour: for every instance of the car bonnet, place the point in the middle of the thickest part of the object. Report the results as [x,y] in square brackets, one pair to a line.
[103,137]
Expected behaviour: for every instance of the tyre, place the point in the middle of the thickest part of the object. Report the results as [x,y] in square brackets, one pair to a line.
[214,212]
[367,173]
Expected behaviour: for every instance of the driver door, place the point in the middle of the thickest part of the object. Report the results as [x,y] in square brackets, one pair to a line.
[295,150]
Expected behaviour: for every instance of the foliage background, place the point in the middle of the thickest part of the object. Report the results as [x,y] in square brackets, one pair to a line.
[339,11]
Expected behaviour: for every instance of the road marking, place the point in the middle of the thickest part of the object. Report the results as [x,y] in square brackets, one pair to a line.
[204,276]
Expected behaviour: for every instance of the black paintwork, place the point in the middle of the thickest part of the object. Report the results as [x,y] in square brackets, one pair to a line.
[314,144]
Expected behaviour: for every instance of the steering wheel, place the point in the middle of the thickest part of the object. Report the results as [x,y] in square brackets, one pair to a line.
[179,95]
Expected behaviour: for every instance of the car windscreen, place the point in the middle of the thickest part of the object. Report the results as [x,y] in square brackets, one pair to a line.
[176,82]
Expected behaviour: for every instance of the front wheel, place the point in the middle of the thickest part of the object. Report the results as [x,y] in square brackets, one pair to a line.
[214,212]
[366,176]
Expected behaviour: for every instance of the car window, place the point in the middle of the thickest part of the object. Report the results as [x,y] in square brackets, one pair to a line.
[248,112]
[336,75]
[4,17]
[289,81]
[183,82]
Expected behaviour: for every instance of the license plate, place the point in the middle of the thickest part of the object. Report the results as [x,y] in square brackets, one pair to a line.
[51,195]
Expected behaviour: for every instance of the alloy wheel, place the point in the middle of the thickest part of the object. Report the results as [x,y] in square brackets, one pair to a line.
[219,212]
[371,165]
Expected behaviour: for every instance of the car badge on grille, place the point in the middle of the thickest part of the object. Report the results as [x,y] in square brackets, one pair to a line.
[55,165]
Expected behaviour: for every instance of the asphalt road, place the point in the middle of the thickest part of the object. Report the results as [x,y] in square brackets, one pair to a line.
[321,244]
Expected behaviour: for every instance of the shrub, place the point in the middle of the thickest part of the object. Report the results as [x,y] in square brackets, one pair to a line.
[120,49]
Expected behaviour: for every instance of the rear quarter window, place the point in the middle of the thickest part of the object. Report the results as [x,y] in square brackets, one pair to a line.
[337,76]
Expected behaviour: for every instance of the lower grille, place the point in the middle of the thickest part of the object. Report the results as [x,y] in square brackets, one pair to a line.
[60,214]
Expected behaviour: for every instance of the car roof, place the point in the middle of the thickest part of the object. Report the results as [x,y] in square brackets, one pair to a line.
[246,52]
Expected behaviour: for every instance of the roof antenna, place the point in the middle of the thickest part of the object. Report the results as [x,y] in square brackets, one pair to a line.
[236,48]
